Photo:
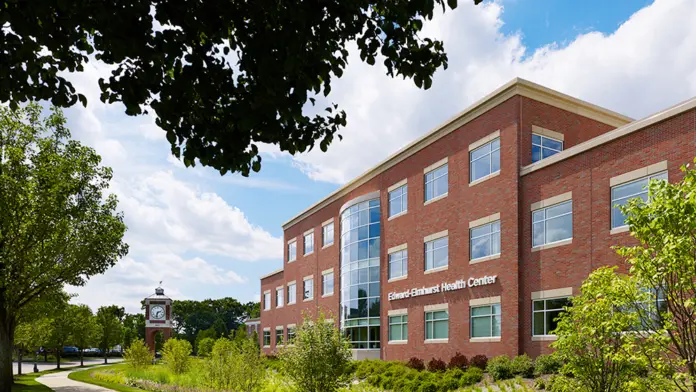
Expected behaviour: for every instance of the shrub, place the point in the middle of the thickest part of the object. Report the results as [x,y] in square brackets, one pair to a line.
[523,366]
[416,363]
[539,383]
[449,382]
[500,368]
[205,347]
[458,361]
[471,376]
[320,357]
[547,364]
[138,355]
[437,365]
[428,386]
[235,365]
[480,361]
[177,354]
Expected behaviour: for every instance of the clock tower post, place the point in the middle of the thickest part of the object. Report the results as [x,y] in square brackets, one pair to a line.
[158,317]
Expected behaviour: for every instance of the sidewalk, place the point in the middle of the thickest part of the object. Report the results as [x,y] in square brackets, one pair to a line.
[60,382]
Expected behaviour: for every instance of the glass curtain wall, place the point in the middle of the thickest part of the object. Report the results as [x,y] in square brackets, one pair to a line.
[360,290]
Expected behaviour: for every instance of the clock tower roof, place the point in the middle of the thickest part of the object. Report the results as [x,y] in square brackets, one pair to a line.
[159,294]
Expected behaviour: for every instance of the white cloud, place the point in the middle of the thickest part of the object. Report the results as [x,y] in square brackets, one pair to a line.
[646,65]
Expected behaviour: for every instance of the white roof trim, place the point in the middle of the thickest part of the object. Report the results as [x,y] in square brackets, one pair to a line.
[268,275]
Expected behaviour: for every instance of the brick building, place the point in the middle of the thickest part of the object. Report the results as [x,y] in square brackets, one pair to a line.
[472,237]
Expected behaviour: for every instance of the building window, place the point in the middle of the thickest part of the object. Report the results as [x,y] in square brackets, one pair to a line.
[650,312]
[485,321]
[552,224]
[398,328]
[436,253]
[484,240]
[308,289]
[436,325]
[621,194]
[484,160]
[280,298]
[291,334]
[327,234]
[398,264]
[266,301]
[398,200]
[309,243]
[266,338]
[544,147]
[279,337]
[545,312]
[327,283]
[436,182]
[292,251]
[292,293]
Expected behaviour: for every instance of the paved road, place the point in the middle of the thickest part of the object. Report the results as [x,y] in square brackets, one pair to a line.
[28,367]
[60,382]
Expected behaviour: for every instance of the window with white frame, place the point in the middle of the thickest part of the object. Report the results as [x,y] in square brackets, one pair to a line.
[279,336]
[621,194]
[484,160]
[436,182]
[398,328]
[651,312]
[398,264]
[436,253]
[292,251]
[266,338]
[398,200]
[437,325]
[292,293]
[309,243]
[308,291]
[484,240]
[552,224]
[545,313]
[266,301]
[291,334]
[485,321]
[280,297]
[544,147]
[327,283]
[327,234]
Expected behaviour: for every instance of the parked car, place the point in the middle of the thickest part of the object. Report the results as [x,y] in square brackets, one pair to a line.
[92,352]
[70,351]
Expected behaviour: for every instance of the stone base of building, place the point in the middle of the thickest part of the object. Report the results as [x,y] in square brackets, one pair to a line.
[366,354]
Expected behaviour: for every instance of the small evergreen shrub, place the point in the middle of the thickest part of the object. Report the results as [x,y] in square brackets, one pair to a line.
[428,386]
[547,364]
[500,368]
[437,365]
[458,361]
[471,376]
[416,363]
[522,365]
[480,361]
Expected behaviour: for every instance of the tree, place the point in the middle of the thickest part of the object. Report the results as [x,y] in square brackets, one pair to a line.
[320,357]
[85,330]
[220,77]
[57,226]
[138,355]
[664,264]
[62,327]
[177,355]
[192,317]
[109,330]
[235,365]
[133,328]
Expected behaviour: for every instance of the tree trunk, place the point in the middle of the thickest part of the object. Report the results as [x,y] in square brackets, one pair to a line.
[105,361]
[6,338]
[82,359]
[45,355]
[19,361]
[58,357]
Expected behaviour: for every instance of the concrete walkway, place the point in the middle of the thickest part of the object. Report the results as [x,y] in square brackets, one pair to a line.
[28,367]
[60,382]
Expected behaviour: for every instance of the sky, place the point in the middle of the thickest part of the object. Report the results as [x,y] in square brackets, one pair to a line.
[207,236]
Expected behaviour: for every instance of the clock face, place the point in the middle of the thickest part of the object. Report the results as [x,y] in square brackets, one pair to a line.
[157,312]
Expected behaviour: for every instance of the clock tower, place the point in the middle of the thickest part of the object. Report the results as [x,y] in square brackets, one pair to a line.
[158,317]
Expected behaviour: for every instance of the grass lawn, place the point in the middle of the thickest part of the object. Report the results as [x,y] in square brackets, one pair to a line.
[28,383]
[85,376]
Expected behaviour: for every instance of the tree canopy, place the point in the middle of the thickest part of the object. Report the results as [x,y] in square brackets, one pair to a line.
[221,77]
[213,317]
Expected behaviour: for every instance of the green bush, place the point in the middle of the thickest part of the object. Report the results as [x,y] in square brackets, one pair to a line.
[471,376]
[235,365]
[547,364]
[138,355]
[500,368]
[539,383]
[428,386]
[177,355]
[522,365]
[205,347]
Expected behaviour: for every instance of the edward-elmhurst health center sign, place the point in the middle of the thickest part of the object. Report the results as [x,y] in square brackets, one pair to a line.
[444,287]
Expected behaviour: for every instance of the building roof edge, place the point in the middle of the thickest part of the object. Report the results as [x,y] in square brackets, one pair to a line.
[268,275]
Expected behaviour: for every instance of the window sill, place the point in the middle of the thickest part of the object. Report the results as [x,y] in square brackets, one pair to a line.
[266,310]
[552,245]
[438,269]
[402,213]
[327,246]
[485,340]
[266,347]
[327,295]
[544,338]
[397,342]
[307,254]
[291,303]
[621,229]
[434,199]
[482,259]
[278,307]
[308,299]
[292,261]
[397,279]
[436,341]
[482,179]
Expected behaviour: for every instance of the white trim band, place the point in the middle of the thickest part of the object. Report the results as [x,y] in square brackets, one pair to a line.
[551,201]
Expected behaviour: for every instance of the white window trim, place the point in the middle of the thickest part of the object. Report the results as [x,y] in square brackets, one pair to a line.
[433,237]
[390,190]
[484,301]
[631,176]
[548,133]
[547,337]
[391,251]
[306,278]
[481,302]
[484,178]
[551,294]
[486,139]
[429,169]
[304,242]
[264,300]
[485,220]
[294,282]
[479,143]
[481,222]
[323,274]
[294,240]
[282,303]
[555,244]
[436,165]
[323,225]
[492,339]
[398,185]
[395,313]
[435,308]
[550,202]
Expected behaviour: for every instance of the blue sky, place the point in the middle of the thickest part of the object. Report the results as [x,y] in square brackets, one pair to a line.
[211,236]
